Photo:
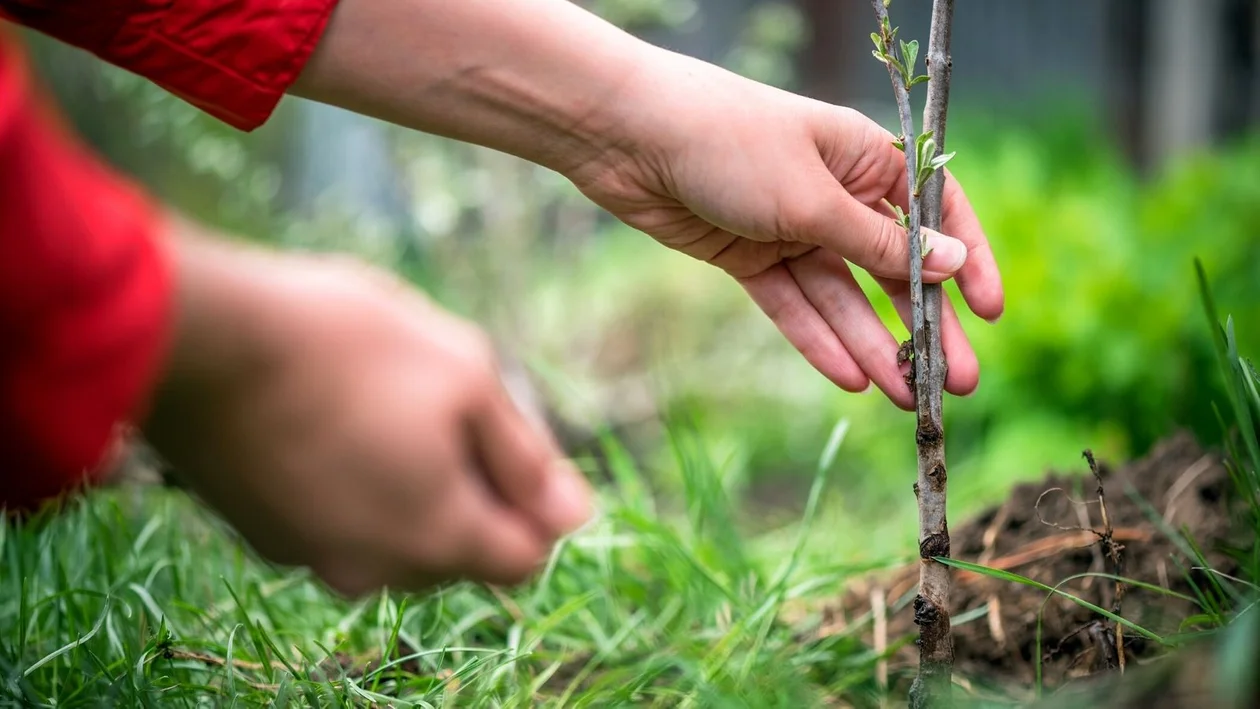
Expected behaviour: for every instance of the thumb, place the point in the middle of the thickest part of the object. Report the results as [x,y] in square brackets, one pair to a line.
[877,243]
[528,470]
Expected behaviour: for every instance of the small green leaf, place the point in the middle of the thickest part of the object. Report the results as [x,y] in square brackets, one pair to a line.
[897,64]
[879,44]
[923,138]
[878,55]
[899,144]
[910,54]
[941,160]
[920,79]
[887,3]
[925,173]
[927,149]
[902,218]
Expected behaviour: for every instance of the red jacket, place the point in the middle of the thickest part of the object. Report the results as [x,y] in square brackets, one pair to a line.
[85,288]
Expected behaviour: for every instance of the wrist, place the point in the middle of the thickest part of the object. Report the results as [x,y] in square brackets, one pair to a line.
[219,344]
[516,79]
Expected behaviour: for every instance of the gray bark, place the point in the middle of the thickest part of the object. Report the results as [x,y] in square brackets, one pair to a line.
[936,645]
[932,687]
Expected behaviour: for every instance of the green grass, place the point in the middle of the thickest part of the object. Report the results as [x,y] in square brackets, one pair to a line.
[140,598]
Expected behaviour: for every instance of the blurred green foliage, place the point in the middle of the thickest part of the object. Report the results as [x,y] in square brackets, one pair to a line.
[640,14]
[772,32]
[1101,345]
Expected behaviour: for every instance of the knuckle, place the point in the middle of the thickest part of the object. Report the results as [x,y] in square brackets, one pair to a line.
[886,246]
[847,115]
[480,362]
[803,218]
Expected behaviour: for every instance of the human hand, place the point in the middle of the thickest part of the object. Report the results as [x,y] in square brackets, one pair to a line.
[782,192]
[340,421]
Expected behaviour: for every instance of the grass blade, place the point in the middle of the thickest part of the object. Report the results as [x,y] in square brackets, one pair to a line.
[821,476]
[1025,581]
[72,644]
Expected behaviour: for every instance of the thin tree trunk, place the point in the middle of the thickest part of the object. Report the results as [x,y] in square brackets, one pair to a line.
[931,607]
[932,687]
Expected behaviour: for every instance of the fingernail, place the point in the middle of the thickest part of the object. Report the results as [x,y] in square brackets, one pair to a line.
[993,320]
[566,501]
[867,389]
[947,254]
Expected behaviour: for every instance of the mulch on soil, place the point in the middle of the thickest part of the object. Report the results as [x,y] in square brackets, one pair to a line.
[1050,531]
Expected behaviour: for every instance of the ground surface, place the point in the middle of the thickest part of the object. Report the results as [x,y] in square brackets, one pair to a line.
[136,597]
[1050,531]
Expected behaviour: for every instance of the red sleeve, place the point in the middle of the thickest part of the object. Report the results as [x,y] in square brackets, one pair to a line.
[233,59]
[85,295]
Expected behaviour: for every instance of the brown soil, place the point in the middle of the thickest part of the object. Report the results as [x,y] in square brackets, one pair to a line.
[1049,531]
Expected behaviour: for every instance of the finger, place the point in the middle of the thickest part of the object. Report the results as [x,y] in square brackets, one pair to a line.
[497,544]
[826,281]
[776,292]
[838,222]
[527,469]
[963,373]
[979,279]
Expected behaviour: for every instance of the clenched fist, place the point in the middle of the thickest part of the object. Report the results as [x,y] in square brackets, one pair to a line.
[341,421]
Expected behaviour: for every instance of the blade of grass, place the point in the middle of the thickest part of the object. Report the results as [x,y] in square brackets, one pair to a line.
[1227,360]
[100,621]
[1242,405]
[821,476]
[1025,581]
[1181,540]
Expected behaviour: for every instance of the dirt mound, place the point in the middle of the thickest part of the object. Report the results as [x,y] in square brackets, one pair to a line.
[1050,531]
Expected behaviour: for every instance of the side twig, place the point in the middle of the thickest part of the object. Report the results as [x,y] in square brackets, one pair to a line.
[1107,540]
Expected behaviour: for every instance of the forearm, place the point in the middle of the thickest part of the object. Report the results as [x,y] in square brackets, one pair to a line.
[532,78]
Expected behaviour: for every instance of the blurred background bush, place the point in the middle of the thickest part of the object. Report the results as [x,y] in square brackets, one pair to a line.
[1104,145]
